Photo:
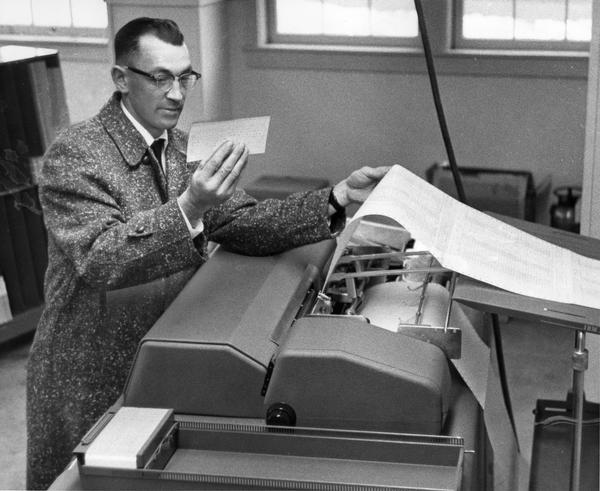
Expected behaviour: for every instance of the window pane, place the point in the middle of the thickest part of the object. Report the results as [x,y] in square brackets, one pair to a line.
[579,20]
[51,13]
[537,20]
[15,13]
[299,17]
[540,19]
[346,17]
[394,18]
[89,13]
[488,19]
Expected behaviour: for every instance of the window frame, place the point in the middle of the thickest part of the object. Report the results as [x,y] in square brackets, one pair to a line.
[51,31]
[329,40]
[460,42]
[68,40]
[531,63]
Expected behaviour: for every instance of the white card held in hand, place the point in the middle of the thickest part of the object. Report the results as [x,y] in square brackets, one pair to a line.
[205,137]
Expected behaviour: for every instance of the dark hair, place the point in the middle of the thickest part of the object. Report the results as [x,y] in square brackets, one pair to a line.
[126,39]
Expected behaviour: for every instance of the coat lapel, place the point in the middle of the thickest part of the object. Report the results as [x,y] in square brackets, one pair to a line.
[130,143]
[127,139]
[178,171]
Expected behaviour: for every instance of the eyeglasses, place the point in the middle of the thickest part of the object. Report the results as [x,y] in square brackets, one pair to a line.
[165,81]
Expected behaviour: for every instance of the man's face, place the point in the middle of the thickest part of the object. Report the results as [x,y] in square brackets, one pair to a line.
[154,108]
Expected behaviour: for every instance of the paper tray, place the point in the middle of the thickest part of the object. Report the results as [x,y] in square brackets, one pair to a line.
[489,298]
[227,456]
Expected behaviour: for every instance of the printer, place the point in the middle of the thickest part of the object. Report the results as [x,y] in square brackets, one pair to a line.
[271,378]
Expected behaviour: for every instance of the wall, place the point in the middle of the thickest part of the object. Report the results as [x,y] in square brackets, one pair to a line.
[325,123]
[88,86]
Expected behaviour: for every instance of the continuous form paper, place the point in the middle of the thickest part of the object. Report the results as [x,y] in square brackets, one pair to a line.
[205,137]
[474,244]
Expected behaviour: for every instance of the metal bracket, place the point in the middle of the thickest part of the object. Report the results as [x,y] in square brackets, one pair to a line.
[448,339]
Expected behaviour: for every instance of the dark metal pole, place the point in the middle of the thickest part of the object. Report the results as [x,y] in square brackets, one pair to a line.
[580,364]
[438,103]
[502,372]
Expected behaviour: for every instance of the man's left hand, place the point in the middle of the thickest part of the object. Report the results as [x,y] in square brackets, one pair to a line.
[358,185]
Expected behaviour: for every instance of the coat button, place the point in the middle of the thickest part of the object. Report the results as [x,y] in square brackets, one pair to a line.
[140,229]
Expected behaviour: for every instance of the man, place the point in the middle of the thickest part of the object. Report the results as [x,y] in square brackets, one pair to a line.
[128,225]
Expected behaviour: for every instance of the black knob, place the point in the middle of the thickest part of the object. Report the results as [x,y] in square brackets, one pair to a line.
[281,414]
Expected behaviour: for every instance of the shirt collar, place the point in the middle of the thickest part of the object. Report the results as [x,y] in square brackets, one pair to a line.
[149,139]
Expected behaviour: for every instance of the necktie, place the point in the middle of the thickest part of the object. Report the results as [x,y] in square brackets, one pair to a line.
[157,148]
[159,171]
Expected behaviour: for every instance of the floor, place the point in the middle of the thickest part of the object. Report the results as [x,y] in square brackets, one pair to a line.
[537,360]
[13,355]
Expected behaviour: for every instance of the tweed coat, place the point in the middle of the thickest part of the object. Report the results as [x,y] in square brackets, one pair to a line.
[118,252]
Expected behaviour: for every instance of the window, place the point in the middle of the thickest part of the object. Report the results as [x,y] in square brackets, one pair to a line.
[557,25]
[528,24]
[473,37]
[54,17]
[343,22]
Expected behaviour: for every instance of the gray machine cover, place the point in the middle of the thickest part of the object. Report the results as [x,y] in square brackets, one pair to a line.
[240,321]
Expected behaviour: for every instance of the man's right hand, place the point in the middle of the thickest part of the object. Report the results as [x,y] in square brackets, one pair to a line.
[214,181]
